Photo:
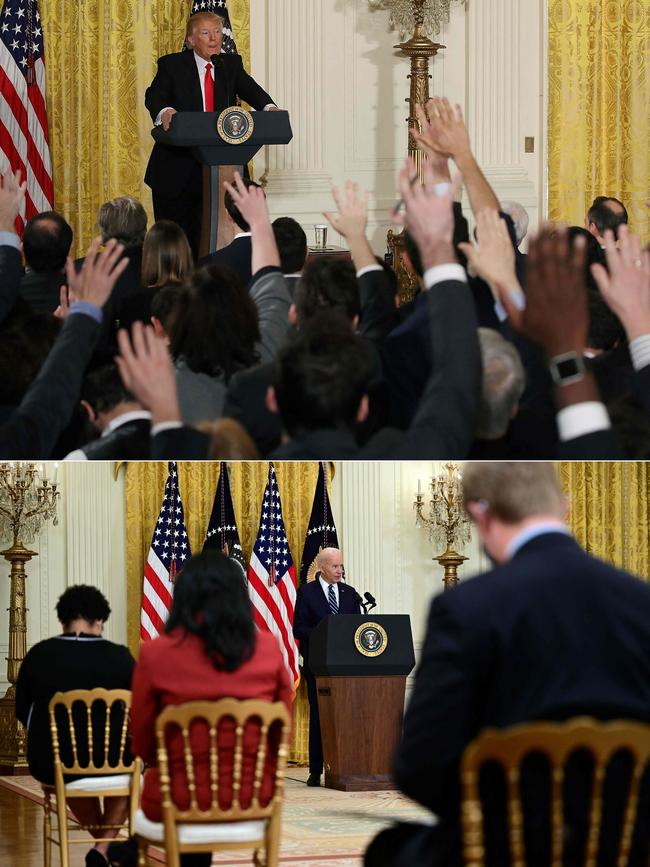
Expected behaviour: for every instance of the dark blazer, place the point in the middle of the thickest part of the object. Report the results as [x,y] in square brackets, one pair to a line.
[312,607]
[49,404]
[62,664]
[237,255]
[42,289]
[176,85]
[130,441]
[11,269]
[552,634]
[642,387]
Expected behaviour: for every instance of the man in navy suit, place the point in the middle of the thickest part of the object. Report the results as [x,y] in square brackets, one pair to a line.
[549,634]
[325,596]
[180,85]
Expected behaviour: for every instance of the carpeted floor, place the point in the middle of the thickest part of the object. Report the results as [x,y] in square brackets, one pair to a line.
[321,827]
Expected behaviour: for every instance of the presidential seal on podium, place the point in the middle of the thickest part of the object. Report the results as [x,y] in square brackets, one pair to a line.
[235,125]
[371,639]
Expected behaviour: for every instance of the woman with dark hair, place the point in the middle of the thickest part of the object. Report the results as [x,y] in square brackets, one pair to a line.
[210,650]
[166,255]
[218,328]
[166,263]
[78,659]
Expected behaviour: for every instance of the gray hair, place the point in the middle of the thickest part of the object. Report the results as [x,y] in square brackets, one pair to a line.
[519,216]
[124,219]
[504,381]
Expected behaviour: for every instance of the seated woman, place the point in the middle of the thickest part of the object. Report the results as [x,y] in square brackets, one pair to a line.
[210,650]
[78,659]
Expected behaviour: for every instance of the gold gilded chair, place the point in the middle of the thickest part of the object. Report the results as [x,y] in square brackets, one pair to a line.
[557,742]
[103,763]
[207,828]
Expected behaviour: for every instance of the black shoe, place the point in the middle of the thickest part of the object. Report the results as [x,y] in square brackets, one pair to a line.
[124,854]
[313,780]
[94,858]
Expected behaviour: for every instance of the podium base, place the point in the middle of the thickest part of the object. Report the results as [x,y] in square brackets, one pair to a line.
[359,783]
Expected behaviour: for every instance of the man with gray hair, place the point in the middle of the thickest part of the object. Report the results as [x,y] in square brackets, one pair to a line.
[504,381]
[520,218]
[124,219]
[549,633]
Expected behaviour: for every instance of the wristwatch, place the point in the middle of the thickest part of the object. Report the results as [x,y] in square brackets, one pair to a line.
[567,368]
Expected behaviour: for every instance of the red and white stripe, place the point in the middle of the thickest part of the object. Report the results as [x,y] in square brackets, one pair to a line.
[273,608]
[157,594]
[24,142]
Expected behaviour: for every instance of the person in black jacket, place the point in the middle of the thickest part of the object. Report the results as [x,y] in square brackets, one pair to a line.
[179,85]
[326,595]
[549,634]
[78,659]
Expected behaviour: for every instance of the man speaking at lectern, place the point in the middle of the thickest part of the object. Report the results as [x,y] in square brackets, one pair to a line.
[324,596]
[191,81]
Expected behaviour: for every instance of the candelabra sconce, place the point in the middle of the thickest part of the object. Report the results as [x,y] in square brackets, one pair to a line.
[27,500]
[447,522]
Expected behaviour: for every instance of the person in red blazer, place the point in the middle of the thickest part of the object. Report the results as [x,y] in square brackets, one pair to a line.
[210,650]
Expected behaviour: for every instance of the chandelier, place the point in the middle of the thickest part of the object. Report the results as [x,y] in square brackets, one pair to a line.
[27,499]
[405,15]
[446,520]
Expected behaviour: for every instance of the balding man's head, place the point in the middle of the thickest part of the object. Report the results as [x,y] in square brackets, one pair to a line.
[330,565]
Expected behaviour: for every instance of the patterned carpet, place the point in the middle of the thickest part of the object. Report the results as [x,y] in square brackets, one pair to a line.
[321,827]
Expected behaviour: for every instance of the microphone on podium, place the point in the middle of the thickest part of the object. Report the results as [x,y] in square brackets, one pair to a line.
[370,602]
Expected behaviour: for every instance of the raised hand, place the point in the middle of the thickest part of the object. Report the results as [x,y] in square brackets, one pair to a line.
[426,140]
[352,204]
[429,217]
[146,370]
[445,133]
[493,257]
[556,315]
[12,196]
[625,283]
[251,201]
[99,273]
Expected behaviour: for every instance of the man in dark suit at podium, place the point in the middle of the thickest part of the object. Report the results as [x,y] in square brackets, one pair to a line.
[324,596]
[550,633]
[187,81]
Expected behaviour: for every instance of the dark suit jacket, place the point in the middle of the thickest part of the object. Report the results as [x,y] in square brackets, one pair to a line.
[642,387]
[552,634]
[312,607]
[11,270]
[176,85]
[42,289]
[237,254]
[130,441]
[47,407]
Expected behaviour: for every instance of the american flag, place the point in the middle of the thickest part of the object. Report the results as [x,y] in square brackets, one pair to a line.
[222,532]
[169,549]
[272,577]
[321,532]
[220,7]
[23,117]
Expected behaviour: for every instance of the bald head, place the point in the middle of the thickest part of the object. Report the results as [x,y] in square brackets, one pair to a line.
[330,565]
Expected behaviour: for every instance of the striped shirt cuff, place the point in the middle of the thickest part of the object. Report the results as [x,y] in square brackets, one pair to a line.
[640,351]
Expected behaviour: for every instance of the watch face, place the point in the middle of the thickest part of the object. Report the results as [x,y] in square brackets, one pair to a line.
[567,368]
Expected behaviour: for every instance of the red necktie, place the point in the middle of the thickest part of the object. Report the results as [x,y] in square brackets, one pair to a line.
[209,88]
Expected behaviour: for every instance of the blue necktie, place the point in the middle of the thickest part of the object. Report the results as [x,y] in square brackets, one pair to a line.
[331,600]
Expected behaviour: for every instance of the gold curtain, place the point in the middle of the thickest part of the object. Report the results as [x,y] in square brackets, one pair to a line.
[598,98]
[610,511]
[144,486]
[100,58]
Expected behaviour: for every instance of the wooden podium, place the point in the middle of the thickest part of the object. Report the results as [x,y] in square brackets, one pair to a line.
[361,683]
[197,130]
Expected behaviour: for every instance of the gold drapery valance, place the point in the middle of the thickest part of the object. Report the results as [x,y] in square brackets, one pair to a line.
[598,97]
[144,486]
[100,57]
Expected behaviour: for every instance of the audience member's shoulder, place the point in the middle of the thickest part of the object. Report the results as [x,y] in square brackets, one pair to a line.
[267,647]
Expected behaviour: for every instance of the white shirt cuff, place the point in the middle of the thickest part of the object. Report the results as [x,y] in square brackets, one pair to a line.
[165,425]
[270,106]
[158,119]
[448,271]
[368,269]
[582,418]
[640,351]
[76,455]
